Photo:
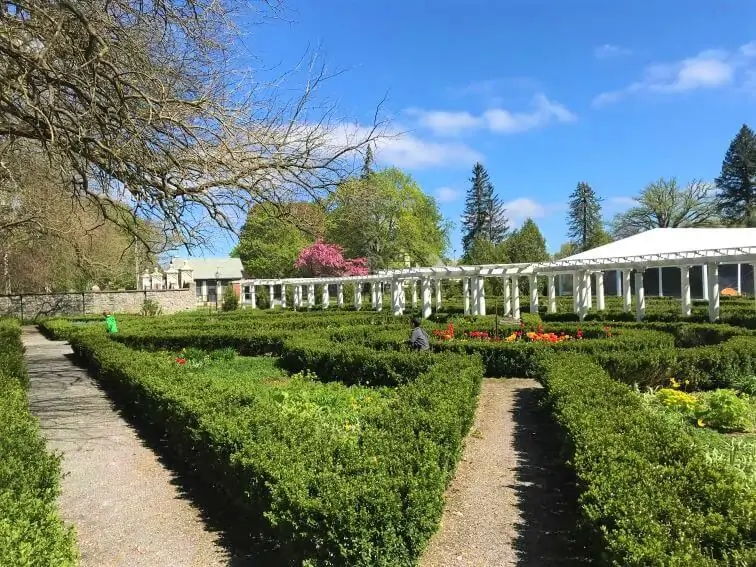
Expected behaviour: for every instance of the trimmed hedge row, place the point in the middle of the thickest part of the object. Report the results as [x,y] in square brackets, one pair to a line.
[648,492]
[369,500]
[31,531]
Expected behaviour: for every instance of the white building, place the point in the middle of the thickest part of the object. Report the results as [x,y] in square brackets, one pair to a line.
[212,276]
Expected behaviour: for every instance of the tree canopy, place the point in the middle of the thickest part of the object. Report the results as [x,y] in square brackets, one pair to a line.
[484,216]
[736,183]
[664,204]
[585,225]
[388,219]
[324,259]
[527,244]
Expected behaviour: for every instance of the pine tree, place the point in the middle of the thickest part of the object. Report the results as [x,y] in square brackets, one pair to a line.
[584,217]
[367,165]
[484,215]
[736,198]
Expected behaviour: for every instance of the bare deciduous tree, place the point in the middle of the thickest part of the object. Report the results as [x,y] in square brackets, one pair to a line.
[141,102]
[663,204]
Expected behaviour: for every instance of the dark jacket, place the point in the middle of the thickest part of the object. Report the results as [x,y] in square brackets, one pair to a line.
[419,339]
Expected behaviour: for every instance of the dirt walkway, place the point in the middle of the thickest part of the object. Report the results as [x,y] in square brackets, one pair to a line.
[506,505]
[124,504]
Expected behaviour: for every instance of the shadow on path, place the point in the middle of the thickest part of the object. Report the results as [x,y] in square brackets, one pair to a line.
[545,486]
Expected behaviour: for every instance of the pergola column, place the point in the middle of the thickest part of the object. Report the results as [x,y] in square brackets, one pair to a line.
[283,295]
[533,293]
[705,283]
[358,295]
[325,296]
[414,294]
[379,301]
[713,273]
[402,296]
[685,304]
[340,294]
[481,296]
[661,282]
[252,296]
[474,296]
[584,292]
[627,292]
[552,293]
[753,271]
[589,291]
[600,304]
[466,294]
[507,295]
[311,296]
[740,279]
[576,292]
[396,302]
[516,297]
[271,296]
[640,296]
[438,295]
[426,293]
[374,295]
[618,276]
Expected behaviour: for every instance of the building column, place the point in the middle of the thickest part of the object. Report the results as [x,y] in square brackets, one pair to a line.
[704,283]
[283,296]
[685,304]
[253,296]
[661,282]
[357,295]
[627,292]
[713,270]
[271,296]
[481,296]
[640,296]
[325,296]
[414,294]
[618,276]
[552,279]
[426,295]
[396,302]
[507,296]
[466,294]
[204,291]
[600,303]
[340,295]
[533,293]
[438,295]
[516,297]
[474,295]
[311,296]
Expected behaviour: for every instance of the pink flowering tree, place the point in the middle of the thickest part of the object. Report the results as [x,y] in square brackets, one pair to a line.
[323,259]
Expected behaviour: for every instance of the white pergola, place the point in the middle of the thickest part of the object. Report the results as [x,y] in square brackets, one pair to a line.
[682,248]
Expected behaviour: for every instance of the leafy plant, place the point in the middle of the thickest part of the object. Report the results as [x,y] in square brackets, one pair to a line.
[723,409]
[230,300]
[151,308]
[745,385]
[677,400]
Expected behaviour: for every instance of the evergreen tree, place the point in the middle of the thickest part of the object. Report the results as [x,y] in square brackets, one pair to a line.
[584,217]
[527,244]
[484,216]
[736,198]
[367,165]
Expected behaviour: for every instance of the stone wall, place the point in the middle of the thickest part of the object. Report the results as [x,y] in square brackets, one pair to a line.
[33,305]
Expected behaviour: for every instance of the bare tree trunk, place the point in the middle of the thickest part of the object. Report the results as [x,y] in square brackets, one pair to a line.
[6,273]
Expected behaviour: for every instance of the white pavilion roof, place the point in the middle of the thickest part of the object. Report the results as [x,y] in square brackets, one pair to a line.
[672,241]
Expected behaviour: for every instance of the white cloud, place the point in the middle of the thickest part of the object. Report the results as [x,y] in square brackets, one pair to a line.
[498,120]
[608,50]
[709,69]
[522,208]
[447,194]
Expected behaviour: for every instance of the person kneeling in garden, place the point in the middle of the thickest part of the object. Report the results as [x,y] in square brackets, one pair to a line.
[110,323]
[418,338]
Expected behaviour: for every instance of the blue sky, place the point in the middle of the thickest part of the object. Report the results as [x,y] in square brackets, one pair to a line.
[544,93]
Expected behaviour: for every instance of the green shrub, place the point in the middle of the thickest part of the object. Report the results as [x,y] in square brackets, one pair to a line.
[745,385]
[723,409]
[230,300]
[31,531]
[151,308]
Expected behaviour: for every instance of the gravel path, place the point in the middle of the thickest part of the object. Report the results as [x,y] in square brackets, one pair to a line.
[506,505]
[125,505]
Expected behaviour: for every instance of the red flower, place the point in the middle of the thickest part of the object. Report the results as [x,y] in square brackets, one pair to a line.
[579,333]
[180,361]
